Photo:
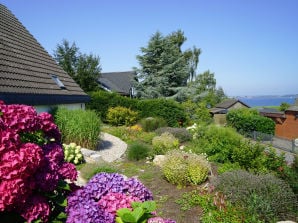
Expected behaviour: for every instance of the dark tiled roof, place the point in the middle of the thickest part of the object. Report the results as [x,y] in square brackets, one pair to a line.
[271,112]
[229,103]
[26,68]
[120,82]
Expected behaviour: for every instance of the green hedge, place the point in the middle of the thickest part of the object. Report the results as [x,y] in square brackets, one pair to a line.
[246,121]
[169,110]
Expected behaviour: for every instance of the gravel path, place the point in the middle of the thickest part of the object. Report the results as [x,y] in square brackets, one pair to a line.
[110,149]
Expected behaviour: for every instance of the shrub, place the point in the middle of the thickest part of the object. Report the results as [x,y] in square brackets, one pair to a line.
[165,142]
[264,196]
[101,101]
[121,116]
[182,168]
[32,173]
[180,133]
[137,151]
[168,109]
[79,126]
[87,205]
[72,153]
[150,124]
[225,167]
[246,121]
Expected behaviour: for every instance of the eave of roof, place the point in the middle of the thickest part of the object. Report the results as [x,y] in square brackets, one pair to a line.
[26,68]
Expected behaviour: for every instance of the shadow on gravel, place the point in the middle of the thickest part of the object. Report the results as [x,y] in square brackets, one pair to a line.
[104,145]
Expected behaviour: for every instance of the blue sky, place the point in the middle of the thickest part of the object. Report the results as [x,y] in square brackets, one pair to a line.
[250,45]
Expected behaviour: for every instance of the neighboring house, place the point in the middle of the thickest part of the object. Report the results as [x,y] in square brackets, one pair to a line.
[220,110]
[286,123]
[120,82]
[28,74]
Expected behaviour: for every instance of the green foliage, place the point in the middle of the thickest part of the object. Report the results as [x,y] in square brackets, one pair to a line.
[217,142]
[246,121]
[141,212]
[163,65]
[284,106]
[36,137]
[169,110]
[138,151]
[164,143]
[79,126]
[182,168]
[228,166]
[180,133]
[152,123]
[264,196]
[130,135]
[90,169]
[87,72]
[121,116]
[84,69]
[215,208]
[73,154]
[101,101]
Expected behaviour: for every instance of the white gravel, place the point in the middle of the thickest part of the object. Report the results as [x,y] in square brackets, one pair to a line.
[110,149]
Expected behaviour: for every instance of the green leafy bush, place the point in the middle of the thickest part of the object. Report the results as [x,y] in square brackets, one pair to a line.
[101,101]
[79,126]
[121,116]
[152,123]
[72,153]
[264,196]
[168,109]
[138,151]
[225,167]
[180,133]
[182,168]
[164,143]
[246,121]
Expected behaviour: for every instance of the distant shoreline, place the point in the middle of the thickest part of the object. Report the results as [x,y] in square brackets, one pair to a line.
[266,100]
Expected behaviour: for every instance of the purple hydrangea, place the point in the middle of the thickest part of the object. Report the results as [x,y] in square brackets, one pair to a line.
[85,202]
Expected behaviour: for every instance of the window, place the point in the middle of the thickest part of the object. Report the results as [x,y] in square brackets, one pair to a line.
[57,81]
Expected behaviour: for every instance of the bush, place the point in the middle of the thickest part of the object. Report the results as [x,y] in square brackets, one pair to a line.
[72,153]
[169,110]
[32,166]
[79,126]
[182,168]
[138,151]
[164,143]
[264,196]
[101,101]
[246,121]
[150,124]
[121,116]
[180,133]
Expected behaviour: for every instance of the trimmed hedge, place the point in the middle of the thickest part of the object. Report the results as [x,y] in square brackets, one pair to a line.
[246,121]
[169,110]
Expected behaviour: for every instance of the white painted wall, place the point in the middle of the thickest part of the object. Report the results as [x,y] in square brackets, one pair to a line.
[47,108]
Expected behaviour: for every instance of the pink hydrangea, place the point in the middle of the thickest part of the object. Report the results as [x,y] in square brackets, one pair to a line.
[36,207]
[111,202]
[28,170]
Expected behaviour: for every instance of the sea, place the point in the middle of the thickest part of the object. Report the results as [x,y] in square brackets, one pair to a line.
[259,101]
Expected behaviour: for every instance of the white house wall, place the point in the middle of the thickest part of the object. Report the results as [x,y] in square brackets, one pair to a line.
[47,108]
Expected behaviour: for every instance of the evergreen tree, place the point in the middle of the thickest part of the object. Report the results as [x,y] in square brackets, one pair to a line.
[164,67]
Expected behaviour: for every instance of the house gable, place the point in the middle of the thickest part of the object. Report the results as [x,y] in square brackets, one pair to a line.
[26,69]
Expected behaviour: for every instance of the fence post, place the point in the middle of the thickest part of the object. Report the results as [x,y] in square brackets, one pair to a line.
[254,135]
